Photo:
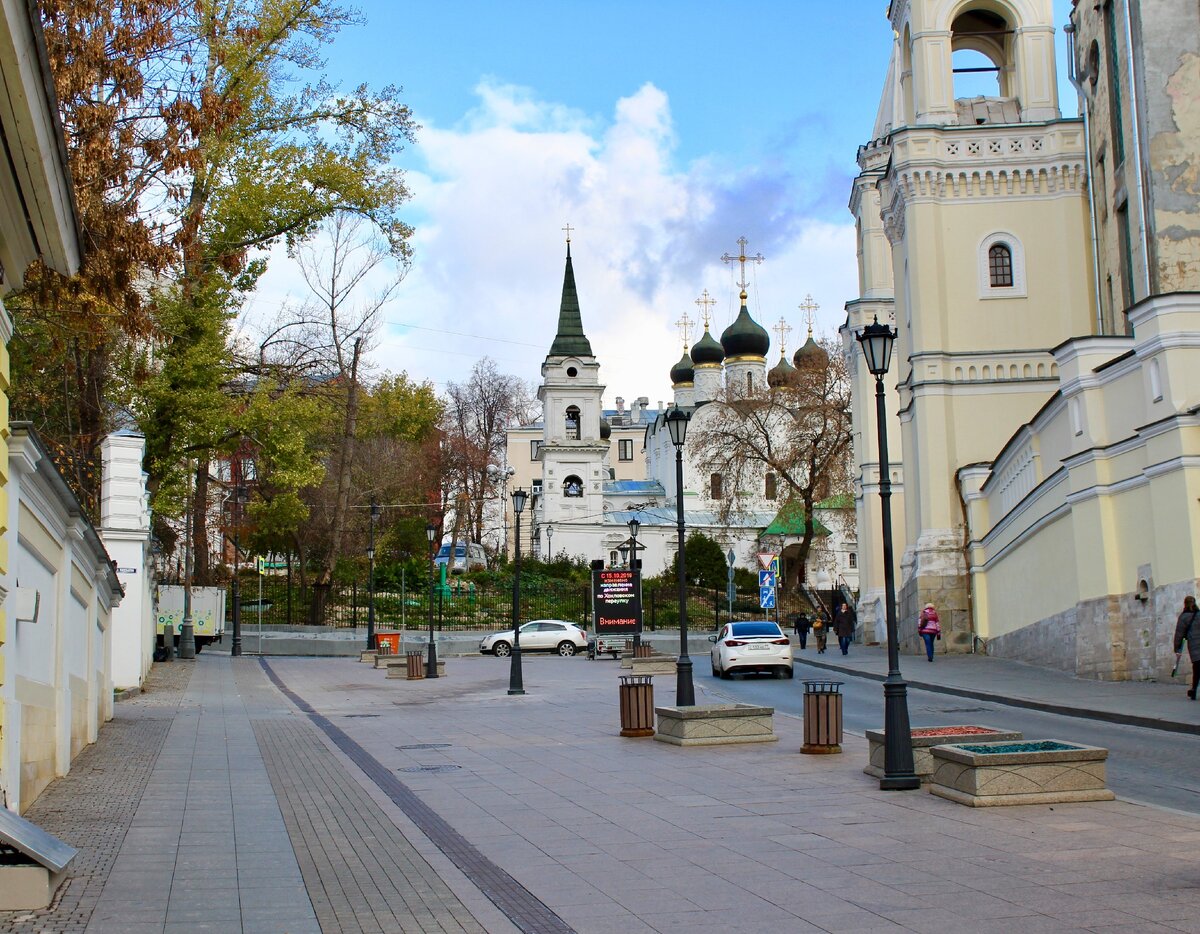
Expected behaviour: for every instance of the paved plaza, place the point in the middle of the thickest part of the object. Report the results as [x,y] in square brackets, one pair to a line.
[306,794]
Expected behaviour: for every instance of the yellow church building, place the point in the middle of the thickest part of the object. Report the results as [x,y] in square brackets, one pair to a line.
[1043,276]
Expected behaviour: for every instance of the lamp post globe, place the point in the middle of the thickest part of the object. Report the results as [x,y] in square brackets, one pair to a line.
[516,684]
[431,656]
[898,774]
[685,694]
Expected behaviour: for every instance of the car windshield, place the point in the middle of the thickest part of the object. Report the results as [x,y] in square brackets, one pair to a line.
[755,629]
[444,551]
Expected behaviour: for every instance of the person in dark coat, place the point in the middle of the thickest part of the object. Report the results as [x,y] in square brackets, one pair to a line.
[843,626]
[1187,630]
[802,625]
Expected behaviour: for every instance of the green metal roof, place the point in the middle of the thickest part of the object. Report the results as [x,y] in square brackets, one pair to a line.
[790,521]
[570,341]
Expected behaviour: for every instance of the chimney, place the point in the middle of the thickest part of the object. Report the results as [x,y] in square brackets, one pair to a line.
[620,405]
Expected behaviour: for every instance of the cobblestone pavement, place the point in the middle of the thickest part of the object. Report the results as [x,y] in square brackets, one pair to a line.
[92,807]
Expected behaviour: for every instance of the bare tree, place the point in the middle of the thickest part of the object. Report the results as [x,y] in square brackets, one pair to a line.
[347,272]
[800,432]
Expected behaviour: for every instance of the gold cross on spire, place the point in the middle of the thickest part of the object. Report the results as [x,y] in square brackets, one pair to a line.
[568,229]
[685,329]
[705,302]
[810,310]
[783,329]
[742,259]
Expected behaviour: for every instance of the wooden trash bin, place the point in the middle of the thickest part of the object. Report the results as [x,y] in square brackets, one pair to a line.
[637,705]
[416,666]
[822,717]
[644,650]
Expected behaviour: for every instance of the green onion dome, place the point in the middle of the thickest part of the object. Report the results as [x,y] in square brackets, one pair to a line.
[811,354]
[605,429]
[707,350]
[745,337]
[683,371]
[781,373]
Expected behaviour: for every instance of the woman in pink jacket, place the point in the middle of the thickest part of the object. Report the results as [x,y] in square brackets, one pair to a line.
[929,627]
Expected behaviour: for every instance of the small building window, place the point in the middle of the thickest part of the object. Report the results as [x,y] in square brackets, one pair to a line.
[853,559]
[1000,270]
[572,486]
[535,448]
[770,486]
[714,486]
[612,559]
[625,449]
[749,384]
[572,423]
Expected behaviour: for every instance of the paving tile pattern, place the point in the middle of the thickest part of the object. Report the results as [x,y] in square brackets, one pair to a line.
[529,913]
[360,872]
[92,806]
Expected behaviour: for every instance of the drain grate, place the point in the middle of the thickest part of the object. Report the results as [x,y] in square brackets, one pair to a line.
[425,746]
[431,768]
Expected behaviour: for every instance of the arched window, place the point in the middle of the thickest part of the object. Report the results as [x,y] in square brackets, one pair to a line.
[770,485]
[714,486]
[749,384]
[572,423]
[1000,266]
[572,486]
[982,57]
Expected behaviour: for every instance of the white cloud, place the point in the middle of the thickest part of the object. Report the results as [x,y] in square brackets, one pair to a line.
[490,203]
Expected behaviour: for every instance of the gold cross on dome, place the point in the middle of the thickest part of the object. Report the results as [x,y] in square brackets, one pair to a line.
[705,302]
[783,329]
[810,308]
[742,259]
[685,329]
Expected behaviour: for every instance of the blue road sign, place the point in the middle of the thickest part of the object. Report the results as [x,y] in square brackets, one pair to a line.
[766,598]
[766,579]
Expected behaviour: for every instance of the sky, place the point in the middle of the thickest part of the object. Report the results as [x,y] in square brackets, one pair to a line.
[660,130]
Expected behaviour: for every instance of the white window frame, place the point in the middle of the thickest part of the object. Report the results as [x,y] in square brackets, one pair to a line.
[1017,252]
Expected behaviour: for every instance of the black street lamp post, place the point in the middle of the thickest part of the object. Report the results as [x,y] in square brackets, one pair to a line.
[431,660]
[371,578]
[685,695]
[516,684]
[634,565]
[898,775]
[235,649]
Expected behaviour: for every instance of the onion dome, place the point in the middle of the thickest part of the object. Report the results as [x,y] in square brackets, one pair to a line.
[811,354]
[707,350]
[605,429]
[745,337]
[683,371]
[780,374]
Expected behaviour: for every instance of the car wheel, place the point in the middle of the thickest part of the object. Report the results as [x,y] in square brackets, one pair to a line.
[715,673]
[502,649]
[726,674]
[789,673]
[566,649]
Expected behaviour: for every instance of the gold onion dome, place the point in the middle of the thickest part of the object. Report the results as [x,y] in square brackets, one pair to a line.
[745,337]
[683,371]
[707,350]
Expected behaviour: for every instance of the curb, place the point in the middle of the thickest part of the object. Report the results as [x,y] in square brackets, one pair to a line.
[1150,723]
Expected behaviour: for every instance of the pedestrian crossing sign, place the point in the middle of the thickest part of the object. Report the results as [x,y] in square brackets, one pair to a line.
[766,598]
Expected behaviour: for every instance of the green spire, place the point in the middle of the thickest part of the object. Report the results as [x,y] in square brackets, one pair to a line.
[570,341]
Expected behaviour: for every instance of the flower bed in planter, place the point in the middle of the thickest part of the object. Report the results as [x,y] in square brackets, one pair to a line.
[715,725]
[1030,772]
[925,738]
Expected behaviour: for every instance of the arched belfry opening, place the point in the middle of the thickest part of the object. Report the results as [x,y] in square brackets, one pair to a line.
[982,63]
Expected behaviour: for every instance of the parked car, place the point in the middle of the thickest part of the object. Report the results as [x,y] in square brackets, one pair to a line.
[751,646]
[540,635]
[468,556]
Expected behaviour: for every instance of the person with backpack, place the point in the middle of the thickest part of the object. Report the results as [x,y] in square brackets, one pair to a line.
[820,629]
[1187,630]
[930,628]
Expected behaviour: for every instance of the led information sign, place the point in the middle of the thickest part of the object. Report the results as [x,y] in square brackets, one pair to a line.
[617,602]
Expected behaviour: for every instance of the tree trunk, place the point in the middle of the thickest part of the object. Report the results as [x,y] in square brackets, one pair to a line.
[201,567]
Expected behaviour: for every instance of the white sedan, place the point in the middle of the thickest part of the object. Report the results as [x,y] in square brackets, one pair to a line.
[751,646]
[540,635]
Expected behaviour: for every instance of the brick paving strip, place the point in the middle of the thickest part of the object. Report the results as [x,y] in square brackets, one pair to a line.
[109,778]
[529,913]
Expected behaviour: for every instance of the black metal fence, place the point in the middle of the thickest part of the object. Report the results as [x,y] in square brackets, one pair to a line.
[463,605]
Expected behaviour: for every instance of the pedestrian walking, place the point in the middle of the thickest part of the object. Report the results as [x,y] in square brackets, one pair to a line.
[843,626]
[930,628]
[820,629]
[802,625]
[1186,630]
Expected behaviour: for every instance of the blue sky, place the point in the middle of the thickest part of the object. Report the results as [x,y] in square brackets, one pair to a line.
[661,130]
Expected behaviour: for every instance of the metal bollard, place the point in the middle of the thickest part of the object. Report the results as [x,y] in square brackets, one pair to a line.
[822,717]
[637,705]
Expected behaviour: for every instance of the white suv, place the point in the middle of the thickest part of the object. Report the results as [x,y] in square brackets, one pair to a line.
[751,646]
[541,635]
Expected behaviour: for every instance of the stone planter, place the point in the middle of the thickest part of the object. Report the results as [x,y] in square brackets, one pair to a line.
[925,738]
[401,671]
[653,665]
[715,724]
[1030,772]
